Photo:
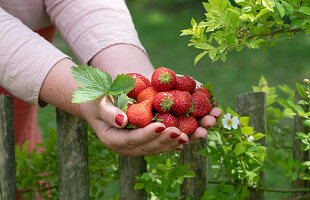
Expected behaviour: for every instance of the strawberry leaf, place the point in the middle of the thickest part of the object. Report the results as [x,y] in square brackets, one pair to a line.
[121,85]
[121,101]
[209,87]
[96,82]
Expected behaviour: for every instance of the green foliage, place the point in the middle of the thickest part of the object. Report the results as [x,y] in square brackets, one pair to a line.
[164,176]
[249,24]
[96,82]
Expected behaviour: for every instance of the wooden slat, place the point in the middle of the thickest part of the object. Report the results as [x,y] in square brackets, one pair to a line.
[72,157]
[7,150]
[253,105]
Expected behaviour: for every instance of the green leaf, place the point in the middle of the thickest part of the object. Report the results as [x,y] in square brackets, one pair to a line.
[280,9]
[139,186]
[85,94]
[239,149]
[247,130]
[204,46]
[122,85]
[95,83]
[244,121]
[305,10]
[258,136]
[212,53]
[193,22]
[306,122]
[199,56]
[268,4]
[301,91]
[121,101]
[288,7]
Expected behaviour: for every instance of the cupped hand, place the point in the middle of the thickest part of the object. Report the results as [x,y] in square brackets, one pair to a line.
[108,121]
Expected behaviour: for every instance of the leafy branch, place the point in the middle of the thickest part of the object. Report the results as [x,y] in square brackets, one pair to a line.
[253,24]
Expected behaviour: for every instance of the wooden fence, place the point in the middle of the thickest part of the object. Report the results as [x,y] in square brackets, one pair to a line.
[73,155]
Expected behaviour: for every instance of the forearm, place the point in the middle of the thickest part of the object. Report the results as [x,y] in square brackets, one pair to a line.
[58,87]
[123,58]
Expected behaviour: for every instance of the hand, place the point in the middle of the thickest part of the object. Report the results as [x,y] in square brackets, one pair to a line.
[107,121]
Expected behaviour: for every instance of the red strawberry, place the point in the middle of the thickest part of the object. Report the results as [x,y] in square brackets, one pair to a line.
[163,102]
[204,90]
[187,124]
[185,83]
[202,106]
[147,93]
[139,87]
[146,81]
[140,114]
[182,102]
[163,79]
[167,119]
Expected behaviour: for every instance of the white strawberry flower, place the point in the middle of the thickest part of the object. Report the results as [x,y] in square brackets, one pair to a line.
[229,122]
[250,138]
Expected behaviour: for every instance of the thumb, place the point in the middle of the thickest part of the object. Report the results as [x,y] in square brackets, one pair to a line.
[112,114]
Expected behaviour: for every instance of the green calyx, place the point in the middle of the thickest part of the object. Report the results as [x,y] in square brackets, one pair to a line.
[166,104]
[165,78]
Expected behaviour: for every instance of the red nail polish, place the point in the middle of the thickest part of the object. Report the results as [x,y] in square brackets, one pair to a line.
[160,129]
[174,135]
[119,119]
[181,141]
[179,148]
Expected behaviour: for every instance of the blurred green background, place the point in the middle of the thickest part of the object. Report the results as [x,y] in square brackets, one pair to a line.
[159,22]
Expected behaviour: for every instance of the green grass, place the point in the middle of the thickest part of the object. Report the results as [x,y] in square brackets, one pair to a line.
[286,63]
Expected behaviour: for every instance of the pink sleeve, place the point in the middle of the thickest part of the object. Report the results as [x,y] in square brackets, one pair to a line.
[25,58]
[90,26]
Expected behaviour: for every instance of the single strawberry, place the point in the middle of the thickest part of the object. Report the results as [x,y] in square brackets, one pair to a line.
[139,87]
[163,102]
[187,124]
[185,83]
[163,79]
[147,93]
[140,114]
[204,90]
[167,119]
[146,81]
[202,106]
[182,102]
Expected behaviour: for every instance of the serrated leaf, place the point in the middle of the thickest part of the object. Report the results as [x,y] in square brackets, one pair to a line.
[305,10]
[209,87]
[85,94]
[239,149]
[247,130]
[199,56]
[268,4]
[280,9]
[121,101]
[122,85]
[301,91]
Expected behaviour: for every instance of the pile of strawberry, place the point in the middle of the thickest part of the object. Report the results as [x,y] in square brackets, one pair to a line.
[170,99]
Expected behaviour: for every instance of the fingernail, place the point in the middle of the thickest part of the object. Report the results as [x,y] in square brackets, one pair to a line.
[119,119]
[181,141]
[174,135]
[179,148]
[160,129]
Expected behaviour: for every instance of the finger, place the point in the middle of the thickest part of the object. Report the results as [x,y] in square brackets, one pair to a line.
[216,112]
[200,133]
[132,138]
[113,115]
[208,121]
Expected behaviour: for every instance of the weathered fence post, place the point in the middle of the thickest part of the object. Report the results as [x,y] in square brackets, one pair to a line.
[7,150]
[253,105]
[129,167]
[195,187]
[72,157]
[298,154]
